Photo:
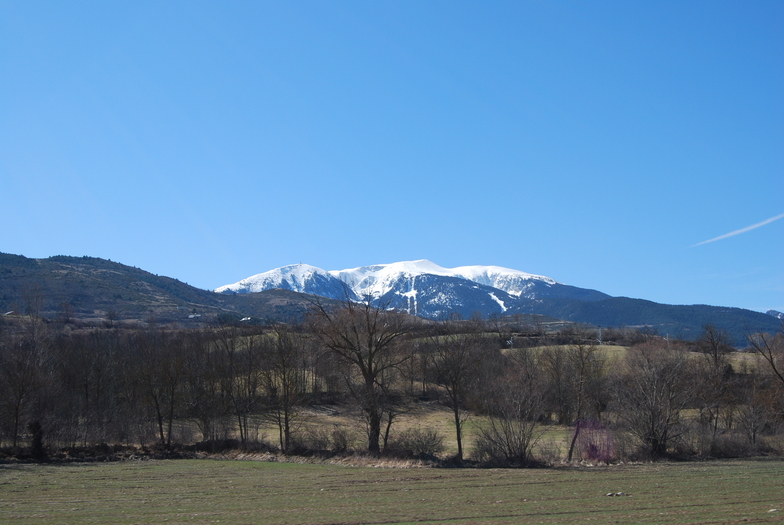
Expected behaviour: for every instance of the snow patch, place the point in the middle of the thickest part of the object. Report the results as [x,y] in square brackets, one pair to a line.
[499,301]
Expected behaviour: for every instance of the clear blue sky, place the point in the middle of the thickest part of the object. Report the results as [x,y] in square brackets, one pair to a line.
[592,142]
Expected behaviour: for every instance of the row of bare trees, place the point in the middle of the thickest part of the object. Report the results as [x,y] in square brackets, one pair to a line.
[85,387]
[103,386]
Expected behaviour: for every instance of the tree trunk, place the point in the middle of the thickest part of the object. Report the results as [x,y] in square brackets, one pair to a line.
[374,431]
[458,433]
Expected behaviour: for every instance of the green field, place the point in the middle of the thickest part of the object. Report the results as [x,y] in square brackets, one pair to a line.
[214,491]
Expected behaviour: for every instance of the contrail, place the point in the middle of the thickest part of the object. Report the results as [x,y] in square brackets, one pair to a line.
[742,230]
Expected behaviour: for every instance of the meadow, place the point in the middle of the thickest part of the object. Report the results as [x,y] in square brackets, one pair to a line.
[228,492]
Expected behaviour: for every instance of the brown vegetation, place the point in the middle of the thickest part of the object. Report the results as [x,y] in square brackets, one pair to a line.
[64,387]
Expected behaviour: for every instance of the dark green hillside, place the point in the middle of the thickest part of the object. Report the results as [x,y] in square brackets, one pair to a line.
[93,288]
[684,321]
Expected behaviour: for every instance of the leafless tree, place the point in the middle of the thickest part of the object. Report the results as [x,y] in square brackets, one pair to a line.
[205,400]
[239,360]
[714,381]
[454,362]
[514,406]
[367,339]
[756,411]
[161,374]
[559,372]
[283,372]
[654,387]
[24,366]
[85,366]
[771,348]
[588,364]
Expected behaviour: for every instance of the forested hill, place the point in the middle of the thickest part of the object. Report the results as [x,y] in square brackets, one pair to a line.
[91,288]
[679,321]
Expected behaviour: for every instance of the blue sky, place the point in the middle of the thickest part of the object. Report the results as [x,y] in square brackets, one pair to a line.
[597,143]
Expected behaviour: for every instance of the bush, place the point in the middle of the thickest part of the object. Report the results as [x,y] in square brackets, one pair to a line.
[506,442]
[337,439]
[730,446]
[418,443]
[342,439]
[316,439]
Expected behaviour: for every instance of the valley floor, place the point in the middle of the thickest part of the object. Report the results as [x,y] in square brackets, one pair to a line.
[229,492]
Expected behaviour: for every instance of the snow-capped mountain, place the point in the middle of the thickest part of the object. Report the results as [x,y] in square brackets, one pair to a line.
[376,281]
[419,287]
[297,277]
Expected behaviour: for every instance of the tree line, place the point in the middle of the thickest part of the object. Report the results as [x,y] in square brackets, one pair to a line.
[163,386]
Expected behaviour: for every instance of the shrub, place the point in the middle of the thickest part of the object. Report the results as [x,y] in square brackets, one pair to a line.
[342,439]
[507,442]
[418,443]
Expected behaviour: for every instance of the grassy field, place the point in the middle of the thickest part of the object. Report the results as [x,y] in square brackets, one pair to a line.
[213,491]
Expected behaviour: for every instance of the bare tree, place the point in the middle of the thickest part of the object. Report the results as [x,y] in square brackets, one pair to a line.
[454,362]
[588,364]
[559,372]
[284,380]
[514,406]
[161,374]
[714,381]
[239,357]
[655,386]
[771,348]
[24,360]
[205,399]
[85,372]
[366,338]
[757,410]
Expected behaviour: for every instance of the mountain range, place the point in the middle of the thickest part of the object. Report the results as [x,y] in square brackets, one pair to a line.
[420,288]
[98,290]
[427,290]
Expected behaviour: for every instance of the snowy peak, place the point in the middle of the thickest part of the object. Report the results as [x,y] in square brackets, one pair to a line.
[513,282]
[418,287]
[375,281]
[297,277]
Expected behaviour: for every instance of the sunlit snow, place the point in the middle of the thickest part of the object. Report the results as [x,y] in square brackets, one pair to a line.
[499,301]
[296,275]
[376,280]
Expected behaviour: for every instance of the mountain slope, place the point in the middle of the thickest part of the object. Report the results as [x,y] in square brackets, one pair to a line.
[682,321]
[301,278]
[377,281]
[428,290]
[94,289]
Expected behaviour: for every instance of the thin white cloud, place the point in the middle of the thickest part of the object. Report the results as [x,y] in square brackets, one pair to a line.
[742,230]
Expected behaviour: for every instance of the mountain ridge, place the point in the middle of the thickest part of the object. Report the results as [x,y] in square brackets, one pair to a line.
[428,290]
[96,290]
[378,280]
